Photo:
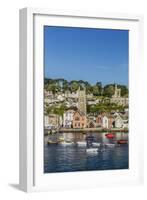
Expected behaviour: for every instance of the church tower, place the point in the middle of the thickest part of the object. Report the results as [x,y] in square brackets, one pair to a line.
[82,100]
[117,92]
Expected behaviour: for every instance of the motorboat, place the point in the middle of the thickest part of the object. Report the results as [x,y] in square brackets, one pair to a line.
[122,142]
[110,145]
[61,139]
[92,150]
[52,142]
[66,142]
[81,143]
[110,135]
[90,137]
[96,144]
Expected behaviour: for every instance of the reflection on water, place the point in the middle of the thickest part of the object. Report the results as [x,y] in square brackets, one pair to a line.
[73,157]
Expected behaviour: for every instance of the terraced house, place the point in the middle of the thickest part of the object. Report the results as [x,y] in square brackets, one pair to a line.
[79,120]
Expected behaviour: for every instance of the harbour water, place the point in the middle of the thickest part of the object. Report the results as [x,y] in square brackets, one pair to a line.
[69,157]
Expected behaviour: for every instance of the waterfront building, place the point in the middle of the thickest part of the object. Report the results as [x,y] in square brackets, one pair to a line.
[91,124]
[82,101]
[53,120]
[60,121]
[110,122]
[105,122]
[99,120]
[79,120]
[118,122]
[68,118]
[125,123]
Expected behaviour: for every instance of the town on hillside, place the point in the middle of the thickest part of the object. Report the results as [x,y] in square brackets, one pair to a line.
[81,108]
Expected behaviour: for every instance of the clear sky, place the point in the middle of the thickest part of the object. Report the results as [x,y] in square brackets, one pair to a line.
[86,54]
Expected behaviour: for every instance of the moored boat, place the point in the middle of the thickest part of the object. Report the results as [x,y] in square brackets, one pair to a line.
[110,145]
[52,142]
[92,150]
[122,142]
[61,139]
[66,142]
[96,144]
[90,137]
[109,135]
[81,143]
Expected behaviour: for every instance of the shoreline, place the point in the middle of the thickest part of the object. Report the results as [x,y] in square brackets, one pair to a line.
[85,130]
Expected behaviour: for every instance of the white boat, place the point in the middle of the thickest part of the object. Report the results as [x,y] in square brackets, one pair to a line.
[66,143]
[110,145]
[81,143]
[92,150]
[96,144]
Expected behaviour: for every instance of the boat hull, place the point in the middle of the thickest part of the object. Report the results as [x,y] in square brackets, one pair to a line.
[122,142]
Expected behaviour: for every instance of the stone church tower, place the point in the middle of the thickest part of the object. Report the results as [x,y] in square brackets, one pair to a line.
[116,98]
[82,101]
[117,92]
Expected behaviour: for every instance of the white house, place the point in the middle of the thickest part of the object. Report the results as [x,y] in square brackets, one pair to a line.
[105,122]
[118,122]
[60,97]
[68,118]
[60,121]
[46,121]
[125,124]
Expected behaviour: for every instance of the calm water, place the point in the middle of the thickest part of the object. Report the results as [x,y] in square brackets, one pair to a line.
[68,158]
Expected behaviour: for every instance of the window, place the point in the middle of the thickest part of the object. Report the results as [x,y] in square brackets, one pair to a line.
[77,119]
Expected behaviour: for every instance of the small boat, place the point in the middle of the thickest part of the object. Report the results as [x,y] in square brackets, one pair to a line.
[61,139]
[66,142]
[92,150]
[122,142]
[109,135]
[110,145]
[52,142]
[96,144]
[81,143]
[90,138]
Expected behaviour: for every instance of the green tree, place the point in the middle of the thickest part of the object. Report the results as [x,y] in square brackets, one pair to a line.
[124,90]
[74,86]
[65,85]
[59,110]
[108,90]
[95,90]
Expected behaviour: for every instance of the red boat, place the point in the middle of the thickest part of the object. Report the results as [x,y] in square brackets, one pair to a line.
[109,135]
[122,141]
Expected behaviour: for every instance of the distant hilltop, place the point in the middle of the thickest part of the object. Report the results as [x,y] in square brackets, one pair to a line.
[97,89]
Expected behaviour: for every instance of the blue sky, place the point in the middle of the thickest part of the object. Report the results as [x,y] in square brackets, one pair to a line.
[86,54]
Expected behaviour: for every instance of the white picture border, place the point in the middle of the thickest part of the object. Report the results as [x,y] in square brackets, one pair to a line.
[32,177]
